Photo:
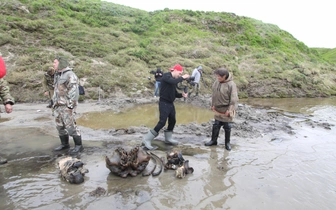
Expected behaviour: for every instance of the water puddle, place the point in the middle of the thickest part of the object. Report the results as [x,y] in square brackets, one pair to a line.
[4,119]
[143,115]
[42,119]
[294,105]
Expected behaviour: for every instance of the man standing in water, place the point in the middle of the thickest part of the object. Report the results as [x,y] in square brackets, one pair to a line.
[168,93]
[65,100]
[224,105]
[5,96]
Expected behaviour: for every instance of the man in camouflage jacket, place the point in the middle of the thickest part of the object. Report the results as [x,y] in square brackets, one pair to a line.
[65,102]
[48,85]
[5,96]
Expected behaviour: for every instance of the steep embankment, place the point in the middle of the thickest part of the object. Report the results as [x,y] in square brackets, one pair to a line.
[112,49]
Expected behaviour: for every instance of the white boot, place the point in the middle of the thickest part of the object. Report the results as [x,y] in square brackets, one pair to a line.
[148,138]
[169,138]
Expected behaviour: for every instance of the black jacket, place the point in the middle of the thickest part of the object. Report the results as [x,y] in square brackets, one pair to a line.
[168,91]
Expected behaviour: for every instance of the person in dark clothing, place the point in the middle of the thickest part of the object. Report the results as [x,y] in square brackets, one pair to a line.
[158,76]
[168,94]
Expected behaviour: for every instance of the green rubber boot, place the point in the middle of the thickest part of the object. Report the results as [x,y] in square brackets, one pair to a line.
[148,138]
[169,138]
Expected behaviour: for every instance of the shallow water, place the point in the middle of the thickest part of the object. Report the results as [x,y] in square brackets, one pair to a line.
[276,171]
[3,119]
[143,115]
[148,114]
[296,105]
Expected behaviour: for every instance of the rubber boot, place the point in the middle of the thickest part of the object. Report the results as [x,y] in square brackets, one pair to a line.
[78,145]
[3,161]
[227,139]
[64,143]
[51,103]
[148,138]
[214,136]
[169,138]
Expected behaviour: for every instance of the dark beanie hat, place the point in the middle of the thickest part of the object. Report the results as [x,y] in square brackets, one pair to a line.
[63,63]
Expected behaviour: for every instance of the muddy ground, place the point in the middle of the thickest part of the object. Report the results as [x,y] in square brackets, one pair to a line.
[249,123]
[28,136]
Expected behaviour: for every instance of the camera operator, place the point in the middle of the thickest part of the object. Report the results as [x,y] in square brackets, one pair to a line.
[158,75]
[197,73]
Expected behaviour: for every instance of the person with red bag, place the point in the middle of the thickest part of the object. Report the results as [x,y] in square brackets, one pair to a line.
[5,96]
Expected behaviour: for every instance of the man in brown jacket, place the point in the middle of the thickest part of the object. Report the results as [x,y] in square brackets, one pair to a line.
[224,105]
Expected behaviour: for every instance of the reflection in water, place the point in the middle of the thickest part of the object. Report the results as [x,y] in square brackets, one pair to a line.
[147,115]
[296,105]
[3,119]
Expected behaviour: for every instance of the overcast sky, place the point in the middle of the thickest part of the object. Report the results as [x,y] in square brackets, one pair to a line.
[312,22]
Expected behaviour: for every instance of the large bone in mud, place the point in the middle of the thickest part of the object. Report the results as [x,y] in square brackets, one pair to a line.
[72,170]
[158,161]
[125,163]
[150,171]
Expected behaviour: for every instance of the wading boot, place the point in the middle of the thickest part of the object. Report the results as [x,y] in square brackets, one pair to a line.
[3,161]
[78,145]
[169,137]
[148,138]
[214,136]
[64,143]
[227,139]
[51,103]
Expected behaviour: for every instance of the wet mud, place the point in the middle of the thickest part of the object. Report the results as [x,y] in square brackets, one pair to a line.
[278,160]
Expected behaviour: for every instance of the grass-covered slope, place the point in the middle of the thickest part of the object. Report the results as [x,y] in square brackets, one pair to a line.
[113,48]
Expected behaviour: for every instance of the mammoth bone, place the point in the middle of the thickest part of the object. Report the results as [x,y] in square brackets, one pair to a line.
[72,170]
[123,163]
[156,169]
[176,161]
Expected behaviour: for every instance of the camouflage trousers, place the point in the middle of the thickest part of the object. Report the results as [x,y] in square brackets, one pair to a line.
[195,89]
[65,121]
[51,94]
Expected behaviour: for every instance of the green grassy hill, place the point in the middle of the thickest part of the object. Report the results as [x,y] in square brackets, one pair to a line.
[113,48]
[328,54]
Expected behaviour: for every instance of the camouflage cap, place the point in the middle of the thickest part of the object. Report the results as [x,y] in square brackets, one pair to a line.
[51,71]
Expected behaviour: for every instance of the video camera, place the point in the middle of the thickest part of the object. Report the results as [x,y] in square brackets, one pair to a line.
[151,72]
[190,79]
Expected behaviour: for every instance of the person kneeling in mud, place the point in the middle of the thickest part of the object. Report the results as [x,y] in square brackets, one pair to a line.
[168,94]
